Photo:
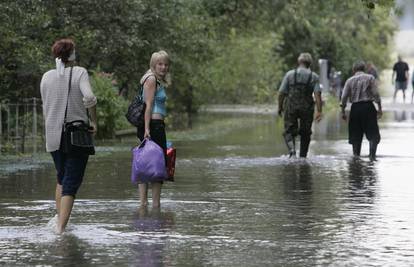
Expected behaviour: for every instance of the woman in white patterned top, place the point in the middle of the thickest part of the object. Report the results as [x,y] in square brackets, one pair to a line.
[80,101]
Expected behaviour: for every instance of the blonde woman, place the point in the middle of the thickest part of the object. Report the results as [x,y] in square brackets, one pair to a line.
[154,83]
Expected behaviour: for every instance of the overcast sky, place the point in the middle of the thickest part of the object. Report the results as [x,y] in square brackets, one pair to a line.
[407,20]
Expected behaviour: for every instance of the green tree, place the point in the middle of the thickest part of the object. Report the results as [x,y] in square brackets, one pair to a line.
[233,51]
[111,108]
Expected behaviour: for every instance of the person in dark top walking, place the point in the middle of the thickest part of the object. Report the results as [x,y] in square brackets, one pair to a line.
[400,74]
[361,90]
[297,96]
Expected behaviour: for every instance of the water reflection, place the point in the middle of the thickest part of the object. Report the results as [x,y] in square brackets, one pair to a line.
[297,185]
[298,180]
[151,252]
[362,178]
[234,204]
[400,115]
[68,248]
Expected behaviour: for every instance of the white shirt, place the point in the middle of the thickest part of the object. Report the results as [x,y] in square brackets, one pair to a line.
[54,92]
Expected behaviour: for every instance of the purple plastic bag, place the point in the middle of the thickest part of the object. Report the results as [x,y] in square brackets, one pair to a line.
[148,163]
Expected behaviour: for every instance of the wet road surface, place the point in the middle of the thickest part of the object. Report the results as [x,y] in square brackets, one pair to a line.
[238,200]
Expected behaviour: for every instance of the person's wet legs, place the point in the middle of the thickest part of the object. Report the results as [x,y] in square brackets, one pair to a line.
[58,196]
[156,195]
[395,95]
[305,130]
[412,94]
[356,149]
[291,130]
[373,150]
[304,146]
[66,204]
[290,143]
[70,170]
[143,194]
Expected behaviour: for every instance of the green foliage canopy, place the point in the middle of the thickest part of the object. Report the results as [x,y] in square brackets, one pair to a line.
[233,51]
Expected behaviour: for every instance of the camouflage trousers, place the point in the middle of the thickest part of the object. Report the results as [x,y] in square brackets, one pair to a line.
[298,121]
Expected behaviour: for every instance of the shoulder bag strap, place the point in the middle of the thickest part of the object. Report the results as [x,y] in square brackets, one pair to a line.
[141,93]
[67,101]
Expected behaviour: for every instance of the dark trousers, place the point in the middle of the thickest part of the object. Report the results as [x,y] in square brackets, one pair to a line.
[70,170]
[363,120]
[298,121]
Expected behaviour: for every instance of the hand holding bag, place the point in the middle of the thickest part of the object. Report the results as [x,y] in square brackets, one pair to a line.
[148,163]
[76,136]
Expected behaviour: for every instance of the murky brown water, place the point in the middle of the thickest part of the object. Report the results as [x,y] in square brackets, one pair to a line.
[237,201]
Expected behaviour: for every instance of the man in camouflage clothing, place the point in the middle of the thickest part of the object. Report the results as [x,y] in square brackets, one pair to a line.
[297,96]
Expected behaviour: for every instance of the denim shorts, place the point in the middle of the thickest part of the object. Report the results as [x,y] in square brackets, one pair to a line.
[400,85]
[70,170]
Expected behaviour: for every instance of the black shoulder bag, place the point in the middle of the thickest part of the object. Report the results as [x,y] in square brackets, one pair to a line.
[136,110]
[76,137]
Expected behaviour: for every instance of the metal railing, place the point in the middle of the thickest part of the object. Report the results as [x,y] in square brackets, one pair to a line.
[21,126]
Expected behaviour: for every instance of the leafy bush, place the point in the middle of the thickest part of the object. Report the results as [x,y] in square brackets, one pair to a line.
[111,107]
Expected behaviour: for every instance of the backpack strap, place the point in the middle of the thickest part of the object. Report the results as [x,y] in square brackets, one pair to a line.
[309,80]
[294,79]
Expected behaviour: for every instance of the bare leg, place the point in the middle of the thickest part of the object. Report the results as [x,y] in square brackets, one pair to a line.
[58,196]
[403,91]
[64,214]
[143,194]
[142,211]
[156,195]
[395,94]
[412,94]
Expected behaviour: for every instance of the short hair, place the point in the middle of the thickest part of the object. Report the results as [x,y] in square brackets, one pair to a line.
[359,66]
[306,59]
[156,57]
[63,48]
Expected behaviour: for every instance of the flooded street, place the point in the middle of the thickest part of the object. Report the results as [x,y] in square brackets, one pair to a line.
[238,200]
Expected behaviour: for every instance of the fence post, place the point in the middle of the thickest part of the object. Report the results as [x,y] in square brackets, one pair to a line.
[24,124]
[1,128]
[8,122]
[1,122]
[17,127]
[34,129]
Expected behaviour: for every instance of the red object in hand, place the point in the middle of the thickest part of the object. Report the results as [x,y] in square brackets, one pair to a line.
[171,154]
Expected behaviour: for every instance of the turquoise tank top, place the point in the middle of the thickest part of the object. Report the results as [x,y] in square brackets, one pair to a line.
[159,100]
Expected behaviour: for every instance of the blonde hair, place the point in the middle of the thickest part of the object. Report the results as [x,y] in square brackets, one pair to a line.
[155,58]
[306,59]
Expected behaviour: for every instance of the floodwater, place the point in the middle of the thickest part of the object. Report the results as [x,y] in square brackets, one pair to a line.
[237,201]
